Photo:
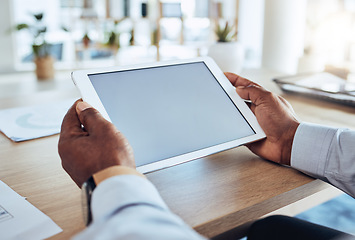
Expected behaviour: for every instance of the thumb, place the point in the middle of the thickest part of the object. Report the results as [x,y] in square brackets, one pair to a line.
[89,116]
[254,93]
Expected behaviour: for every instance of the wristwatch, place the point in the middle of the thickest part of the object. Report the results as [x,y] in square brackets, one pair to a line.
[86,191]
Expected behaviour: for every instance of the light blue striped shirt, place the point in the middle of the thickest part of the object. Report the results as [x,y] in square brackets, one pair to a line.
[130,207]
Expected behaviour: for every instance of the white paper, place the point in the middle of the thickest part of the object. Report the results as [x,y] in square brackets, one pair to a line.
[21,220]
[25,123]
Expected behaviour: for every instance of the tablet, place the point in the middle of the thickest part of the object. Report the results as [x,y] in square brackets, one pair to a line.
[171,112]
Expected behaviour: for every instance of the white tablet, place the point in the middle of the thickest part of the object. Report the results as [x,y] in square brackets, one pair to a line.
[171,112]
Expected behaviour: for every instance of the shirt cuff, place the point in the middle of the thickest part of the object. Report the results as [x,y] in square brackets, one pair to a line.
[118,192]
[310,148]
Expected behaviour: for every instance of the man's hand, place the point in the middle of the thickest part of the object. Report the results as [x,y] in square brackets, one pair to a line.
[95,146]
[275,116]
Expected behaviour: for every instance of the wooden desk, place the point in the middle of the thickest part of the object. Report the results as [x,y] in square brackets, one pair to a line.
[212,194]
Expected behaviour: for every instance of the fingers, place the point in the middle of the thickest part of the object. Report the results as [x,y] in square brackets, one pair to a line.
[254,93]
[89,117]
[247,89]
[237,80]
[71,123]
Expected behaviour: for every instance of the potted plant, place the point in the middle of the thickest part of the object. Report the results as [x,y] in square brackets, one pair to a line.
[40,48]
[86,40]
[154,39]
[113,38]
[227,52]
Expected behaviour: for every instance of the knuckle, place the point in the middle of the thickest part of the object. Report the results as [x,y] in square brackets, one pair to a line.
[65,135]
[106,126]
[266,95]
[283,100]
[62,148]
[60,145]
[89,113]
[272,96]
[269,94]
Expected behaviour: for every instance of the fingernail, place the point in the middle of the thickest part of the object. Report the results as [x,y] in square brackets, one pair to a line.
[240,87]
[82,106]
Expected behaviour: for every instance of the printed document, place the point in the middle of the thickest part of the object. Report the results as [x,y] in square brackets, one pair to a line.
[25,123]
[19,219]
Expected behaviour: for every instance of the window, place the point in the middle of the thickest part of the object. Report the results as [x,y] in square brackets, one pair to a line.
[185,29]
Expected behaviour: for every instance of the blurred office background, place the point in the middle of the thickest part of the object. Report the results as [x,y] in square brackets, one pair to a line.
[283,35]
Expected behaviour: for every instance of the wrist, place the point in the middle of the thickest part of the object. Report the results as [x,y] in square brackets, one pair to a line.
[114,171]
[287,144]
[89,186]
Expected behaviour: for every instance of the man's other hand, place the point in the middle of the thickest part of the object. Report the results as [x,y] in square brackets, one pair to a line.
[275,116]
[89,143]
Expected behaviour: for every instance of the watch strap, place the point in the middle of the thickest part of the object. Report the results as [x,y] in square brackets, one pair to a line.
[88,188]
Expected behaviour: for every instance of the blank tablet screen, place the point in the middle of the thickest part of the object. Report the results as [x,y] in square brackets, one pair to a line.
[170,110]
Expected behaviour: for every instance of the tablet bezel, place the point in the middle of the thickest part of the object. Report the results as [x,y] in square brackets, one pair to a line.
[88,93]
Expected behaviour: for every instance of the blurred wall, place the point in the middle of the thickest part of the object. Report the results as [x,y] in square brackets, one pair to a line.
[284,27]
[7,58]
[251,24]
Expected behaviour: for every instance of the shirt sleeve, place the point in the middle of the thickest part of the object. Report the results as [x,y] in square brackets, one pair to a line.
[326,153]
[130,207]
